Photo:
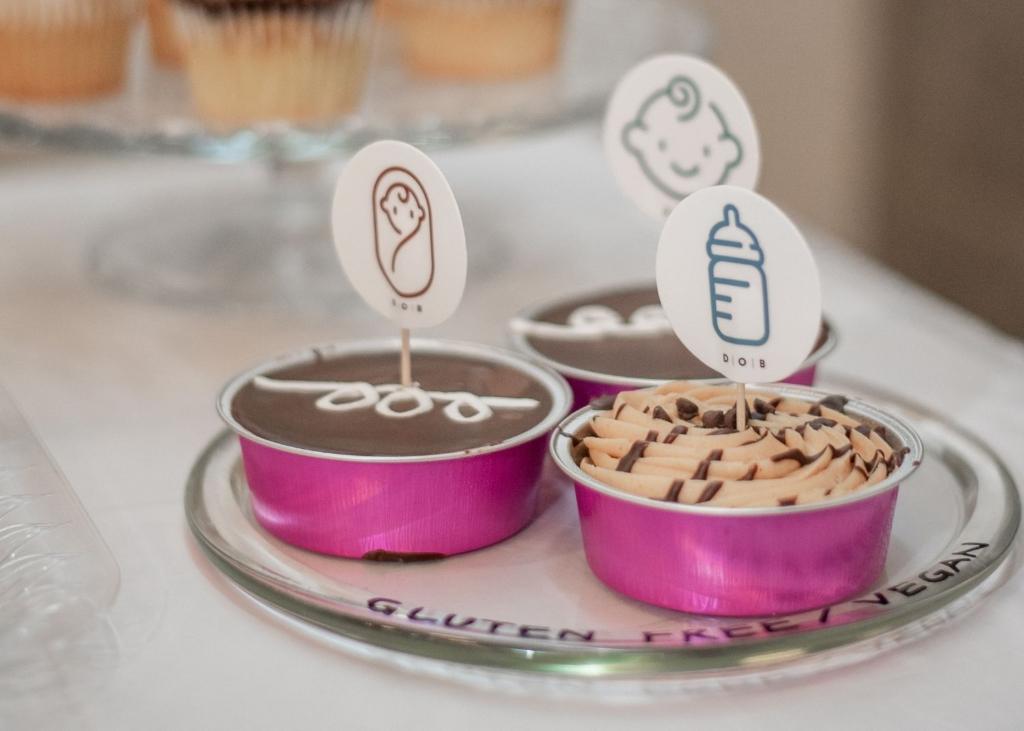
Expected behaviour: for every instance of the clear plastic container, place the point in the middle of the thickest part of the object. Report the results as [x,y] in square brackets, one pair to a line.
[58,579]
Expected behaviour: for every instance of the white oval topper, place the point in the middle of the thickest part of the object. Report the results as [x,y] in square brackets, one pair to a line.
[399,235]
[739,284]
[676,124]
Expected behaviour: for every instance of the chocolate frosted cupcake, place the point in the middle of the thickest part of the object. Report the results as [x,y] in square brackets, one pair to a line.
[341,459]
[64,49]
[262,60]
[479,39]
[609,341]
[790,512]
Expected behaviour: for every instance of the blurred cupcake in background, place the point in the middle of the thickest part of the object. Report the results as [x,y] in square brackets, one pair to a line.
[386,10]
[164,44]
[262,60]
[64,49]
[479,40]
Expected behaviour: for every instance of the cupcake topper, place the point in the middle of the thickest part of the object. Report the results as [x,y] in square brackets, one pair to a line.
[676,124]
[739,285]
[398,233]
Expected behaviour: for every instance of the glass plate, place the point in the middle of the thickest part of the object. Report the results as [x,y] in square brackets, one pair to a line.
[603,39]
[527,614]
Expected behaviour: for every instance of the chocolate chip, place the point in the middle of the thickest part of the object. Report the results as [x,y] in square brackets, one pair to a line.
[763,407]
[835,402]
[660,413]
[686,408]
[820,422]
[713,419]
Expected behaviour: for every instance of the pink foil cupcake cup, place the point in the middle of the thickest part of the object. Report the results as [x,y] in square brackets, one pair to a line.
[397,507]
[738,561]
[588,385]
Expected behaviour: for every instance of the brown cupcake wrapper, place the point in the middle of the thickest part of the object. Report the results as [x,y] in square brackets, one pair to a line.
[262,62]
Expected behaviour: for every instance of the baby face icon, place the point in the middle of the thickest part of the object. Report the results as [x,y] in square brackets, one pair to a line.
[681,141]
[403,232]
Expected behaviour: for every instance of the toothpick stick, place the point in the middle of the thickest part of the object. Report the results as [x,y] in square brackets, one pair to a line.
[406,359]
[741,407]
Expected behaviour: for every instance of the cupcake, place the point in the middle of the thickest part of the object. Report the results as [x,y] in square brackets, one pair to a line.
[478,40]
[609,341]
[790,513]
[164,44]
[64,49]
[262,60]
[341,460]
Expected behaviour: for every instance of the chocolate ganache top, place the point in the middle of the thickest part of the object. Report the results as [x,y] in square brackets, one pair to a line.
[648,350]
[351,404]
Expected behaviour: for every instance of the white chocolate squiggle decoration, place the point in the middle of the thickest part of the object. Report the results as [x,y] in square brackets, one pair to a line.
[353,395]
[592,322]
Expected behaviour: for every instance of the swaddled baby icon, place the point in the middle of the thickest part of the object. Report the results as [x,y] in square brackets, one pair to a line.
[403,232]
[681,141]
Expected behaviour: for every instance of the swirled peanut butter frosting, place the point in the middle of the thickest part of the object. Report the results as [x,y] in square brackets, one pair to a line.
[679,443]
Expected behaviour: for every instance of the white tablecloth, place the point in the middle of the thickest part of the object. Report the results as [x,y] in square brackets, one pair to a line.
[121,391]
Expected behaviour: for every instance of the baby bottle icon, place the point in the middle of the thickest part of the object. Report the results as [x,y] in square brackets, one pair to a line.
[739,290]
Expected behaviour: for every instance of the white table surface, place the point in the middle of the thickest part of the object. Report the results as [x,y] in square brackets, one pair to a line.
[121,391]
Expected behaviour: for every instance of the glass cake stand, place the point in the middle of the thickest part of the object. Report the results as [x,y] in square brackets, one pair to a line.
[182,248]
[549,626]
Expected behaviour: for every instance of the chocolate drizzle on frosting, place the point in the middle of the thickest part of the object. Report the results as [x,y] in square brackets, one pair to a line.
[635,452]
[677,430]
[797,452]
[797,456]
[673,491]
[710,490]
